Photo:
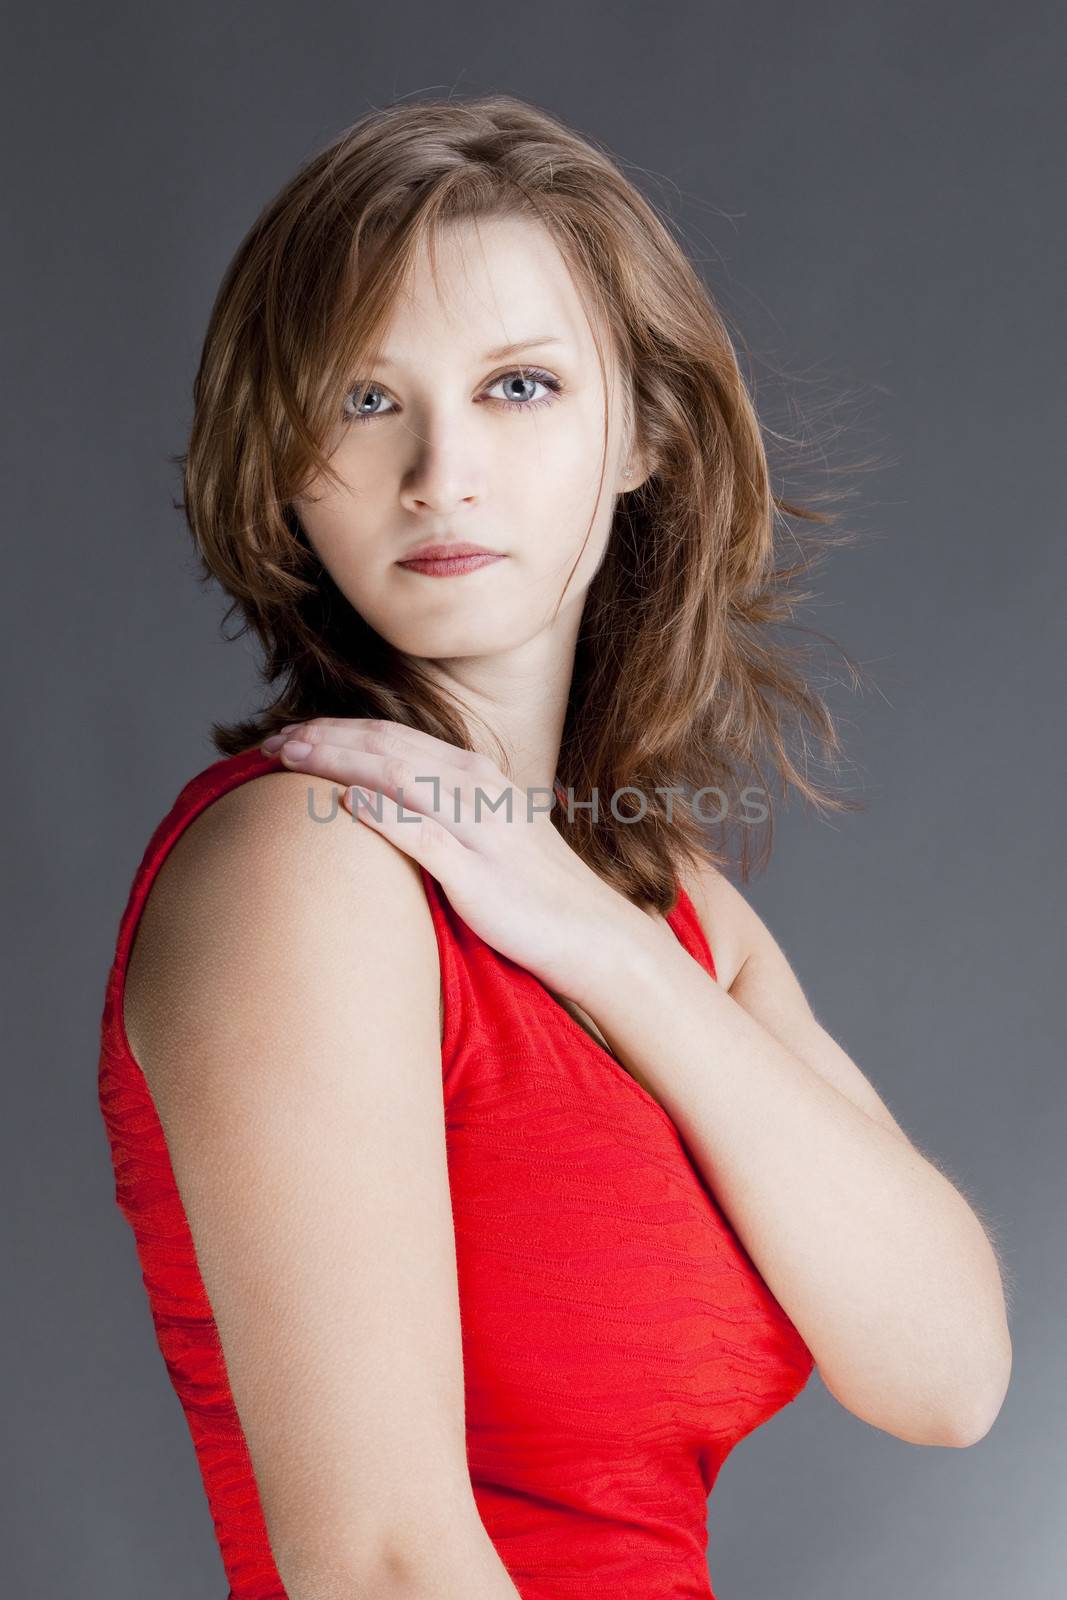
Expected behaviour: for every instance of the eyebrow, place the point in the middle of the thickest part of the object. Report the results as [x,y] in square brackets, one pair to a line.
[502,352]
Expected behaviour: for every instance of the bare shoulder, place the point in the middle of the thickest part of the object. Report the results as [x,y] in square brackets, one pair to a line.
[281,819]
[271,854]
[284,1011]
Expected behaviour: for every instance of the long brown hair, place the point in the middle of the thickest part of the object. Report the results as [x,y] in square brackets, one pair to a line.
[679,683]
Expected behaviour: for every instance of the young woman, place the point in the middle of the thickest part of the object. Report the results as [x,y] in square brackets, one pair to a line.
[490,1174]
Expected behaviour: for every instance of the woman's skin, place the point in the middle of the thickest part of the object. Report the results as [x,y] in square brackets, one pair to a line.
[447,453]
[881,1263]
[290,1032]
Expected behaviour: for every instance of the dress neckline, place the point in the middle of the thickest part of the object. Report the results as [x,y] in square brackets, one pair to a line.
[683,908]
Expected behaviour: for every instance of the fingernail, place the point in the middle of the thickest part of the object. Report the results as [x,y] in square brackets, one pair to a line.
[295,750]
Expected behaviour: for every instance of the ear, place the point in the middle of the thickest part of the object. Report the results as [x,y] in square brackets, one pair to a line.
[637,469]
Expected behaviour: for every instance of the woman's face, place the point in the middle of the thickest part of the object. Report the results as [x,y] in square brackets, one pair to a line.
[446,439]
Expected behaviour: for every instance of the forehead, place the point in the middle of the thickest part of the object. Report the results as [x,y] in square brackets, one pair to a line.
[489,283]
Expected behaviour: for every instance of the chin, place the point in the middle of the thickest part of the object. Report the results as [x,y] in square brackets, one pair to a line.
[450,638]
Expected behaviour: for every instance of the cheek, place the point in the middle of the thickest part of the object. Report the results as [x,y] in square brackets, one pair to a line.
[592,454]
[338,522]
[569,488]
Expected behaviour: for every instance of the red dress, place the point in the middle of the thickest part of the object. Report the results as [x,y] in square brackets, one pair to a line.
[618,1340]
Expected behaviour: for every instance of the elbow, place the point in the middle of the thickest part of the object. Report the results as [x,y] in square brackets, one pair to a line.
[971,1424]
[973,1410]
[928,1412]
[948,1428]
[986,1394]
[962,1437]
[961,1431]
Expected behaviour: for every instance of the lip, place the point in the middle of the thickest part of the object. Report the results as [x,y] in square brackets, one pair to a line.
[449,560]
[447,552]
[455,567]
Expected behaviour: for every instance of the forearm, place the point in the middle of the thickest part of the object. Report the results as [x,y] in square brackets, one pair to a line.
[878,1260]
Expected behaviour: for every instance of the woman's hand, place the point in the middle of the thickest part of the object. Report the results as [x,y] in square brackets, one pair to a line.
[491,845]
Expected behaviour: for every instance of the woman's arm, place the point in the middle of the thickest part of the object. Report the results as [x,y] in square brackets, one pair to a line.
[878,1260]
[283,1004]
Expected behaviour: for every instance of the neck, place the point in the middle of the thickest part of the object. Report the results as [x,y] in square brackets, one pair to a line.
[518,697]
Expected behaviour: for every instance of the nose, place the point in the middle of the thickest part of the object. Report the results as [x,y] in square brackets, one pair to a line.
[446,472]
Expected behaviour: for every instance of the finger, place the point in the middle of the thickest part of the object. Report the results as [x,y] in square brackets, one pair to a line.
[423,838]
[415,787]
[380,735]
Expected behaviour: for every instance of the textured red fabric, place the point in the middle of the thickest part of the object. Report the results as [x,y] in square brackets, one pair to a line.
[618,1340]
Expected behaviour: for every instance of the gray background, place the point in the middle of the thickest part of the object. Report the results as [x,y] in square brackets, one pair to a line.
[875,192]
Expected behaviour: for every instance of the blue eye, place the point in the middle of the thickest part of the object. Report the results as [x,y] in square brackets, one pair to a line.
[526,376]
[359,395]
[543,379]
